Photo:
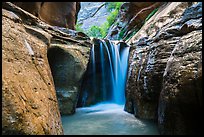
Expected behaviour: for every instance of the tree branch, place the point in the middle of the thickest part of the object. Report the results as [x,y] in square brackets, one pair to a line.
[93,13]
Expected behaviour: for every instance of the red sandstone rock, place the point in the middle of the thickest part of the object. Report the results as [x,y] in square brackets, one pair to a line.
[62,14]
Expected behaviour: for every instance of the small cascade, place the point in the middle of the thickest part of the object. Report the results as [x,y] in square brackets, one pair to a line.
[105,79]
[120,69]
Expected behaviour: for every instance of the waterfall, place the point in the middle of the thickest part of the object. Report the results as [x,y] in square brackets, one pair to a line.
[121,64]
[106,73]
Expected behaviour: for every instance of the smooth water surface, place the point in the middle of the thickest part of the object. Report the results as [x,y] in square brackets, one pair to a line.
[106,119]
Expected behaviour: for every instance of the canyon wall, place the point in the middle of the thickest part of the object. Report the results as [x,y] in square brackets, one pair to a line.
[32,98]
[165,69]
[43,66]
[62,14]
[92,14]
[130,19]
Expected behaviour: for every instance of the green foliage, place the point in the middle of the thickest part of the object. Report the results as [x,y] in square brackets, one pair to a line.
[104,29]
[151,14]
[121,34]
[98,32]
[94,31]
[111,18]
[101,31]
[113,6]
[78,27]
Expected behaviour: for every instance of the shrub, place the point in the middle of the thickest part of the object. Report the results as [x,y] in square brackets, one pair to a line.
[102,31]
[121,34]
[113,5]
[111,18]
[94,31]
[78,27]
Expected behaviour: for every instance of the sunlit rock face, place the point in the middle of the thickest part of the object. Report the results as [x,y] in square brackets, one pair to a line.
[30,104]
[131,17]
[164,77]
[62,14]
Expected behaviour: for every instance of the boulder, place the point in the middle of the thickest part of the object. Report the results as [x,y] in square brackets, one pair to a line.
[68,64]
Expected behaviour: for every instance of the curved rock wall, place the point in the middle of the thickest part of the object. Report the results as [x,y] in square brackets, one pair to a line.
[30,104]
[164,69]
[164,76]
[62,14]
[68,64]
[131,17]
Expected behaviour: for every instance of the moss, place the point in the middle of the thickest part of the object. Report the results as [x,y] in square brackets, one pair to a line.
[111,18]
[121,34]
[151,14]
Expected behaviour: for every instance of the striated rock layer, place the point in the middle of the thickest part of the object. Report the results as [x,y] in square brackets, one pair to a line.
[30,104]
[165,69]
[131,17]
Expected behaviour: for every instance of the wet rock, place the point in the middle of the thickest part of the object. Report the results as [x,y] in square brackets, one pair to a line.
[180,99]
[164,70]
[131,17]
[68,64]
[180,107]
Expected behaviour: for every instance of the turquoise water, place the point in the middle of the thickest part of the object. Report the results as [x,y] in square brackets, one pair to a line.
[106,119]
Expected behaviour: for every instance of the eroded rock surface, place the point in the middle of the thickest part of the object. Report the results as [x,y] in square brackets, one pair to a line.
[165,69]
[68,63]
[30,104]
[131,17]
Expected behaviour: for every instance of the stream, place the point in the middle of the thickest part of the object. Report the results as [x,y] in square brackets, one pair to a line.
[106,119]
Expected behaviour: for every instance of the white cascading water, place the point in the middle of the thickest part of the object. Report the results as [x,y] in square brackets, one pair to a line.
[108,77]
[116,74]
[108,116]
[118,68]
